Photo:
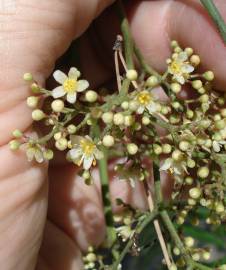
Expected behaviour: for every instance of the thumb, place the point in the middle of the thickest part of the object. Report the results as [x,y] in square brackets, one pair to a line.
[33,35]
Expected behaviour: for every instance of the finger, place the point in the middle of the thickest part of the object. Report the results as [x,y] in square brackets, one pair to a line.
[33,36]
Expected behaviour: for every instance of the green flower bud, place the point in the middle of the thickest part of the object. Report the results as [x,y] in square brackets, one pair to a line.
[203,172]
[132,148]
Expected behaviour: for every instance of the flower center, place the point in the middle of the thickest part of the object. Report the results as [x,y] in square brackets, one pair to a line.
[144,98]
[87,147]
[175,67]
[70,85]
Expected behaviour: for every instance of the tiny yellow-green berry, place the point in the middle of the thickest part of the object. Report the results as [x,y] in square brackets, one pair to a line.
[184,145]
[195,193]
[57,105]
[201,90]
[208,75]
[38,115]
[32,102]
[203,172]
[61,144]
[28,77]
[204,98]
[71,129]
[206,255]
[145,120]
[132,148]
[131,74]
[17,133]
[191,202]
[189,114]
[91,96]
[189,241]
[125,105]
[191,163]
[176,251]
[14,145]
[157,149]
[177,155]
[152,81]
[128,120]
[196,256]
[195,60]
[175,87]
[48,154]
[118,119]
[107,117]
[174,43]
[108,140]
[166,148]
[189,51]
[197,84]
[189,180]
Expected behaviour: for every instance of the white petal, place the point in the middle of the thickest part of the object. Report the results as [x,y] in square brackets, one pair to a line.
[187,68]
[58,92]
[39,156]
[71,98]
[216,146]
[87,163]
[166,165]
[82,85]
[140,110]
[98,154]
[75,153]
[59,76]
[75,140]
[74,73]
[152,107]
[30,154]
[182,57]
[179,78]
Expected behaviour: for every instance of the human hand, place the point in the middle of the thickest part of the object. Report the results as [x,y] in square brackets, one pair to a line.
[32,39]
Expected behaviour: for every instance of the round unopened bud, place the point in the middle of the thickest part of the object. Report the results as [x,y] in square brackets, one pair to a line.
[180,220]
[14,145]
[220,124]
[118,119]
[145,120]
[219,207]
[71,129]
[91,96]
[57,136]
[197,84]
[217,117]
[201,90]
[176,105]
[166,148]
[189,114]
[131,74]
[204,98]
[221,101]
[91,257]
[208,75]
[173,267]
[196,256]
[157,149]
[191,202]
[132,148]
[175,87]
[222,267]
[189,51]
[61,144]
[177,49]
[48,154]
[191,163]
[177,155]
[133,105]
[189,180]
[206,255]
[223,112]
[184,145]
[189,241]
[152,81]
[203,172]
[108,140]
[28,77]
[128,120]
[107,117]
[195,60]
[176,251]
[174,43]
[125,105]
[35,88]
[57,105]
[164,110]
[195,193]
[38,115]
[17,133]
[32,102]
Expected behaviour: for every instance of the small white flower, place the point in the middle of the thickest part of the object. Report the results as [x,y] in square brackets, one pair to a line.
[84,151]
[70,85]
[175,167]
[180,68]
[34,152]
[146,101]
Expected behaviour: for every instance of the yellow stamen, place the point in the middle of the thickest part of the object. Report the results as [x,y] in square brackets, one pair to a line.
[87,147]
[70,85]
[175,67]
[144,98]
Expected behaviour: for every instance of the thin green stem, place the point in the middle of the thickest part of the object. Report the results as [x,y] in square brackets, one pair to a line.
[103,170]
[127,38]
[138,230]
[216,16]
